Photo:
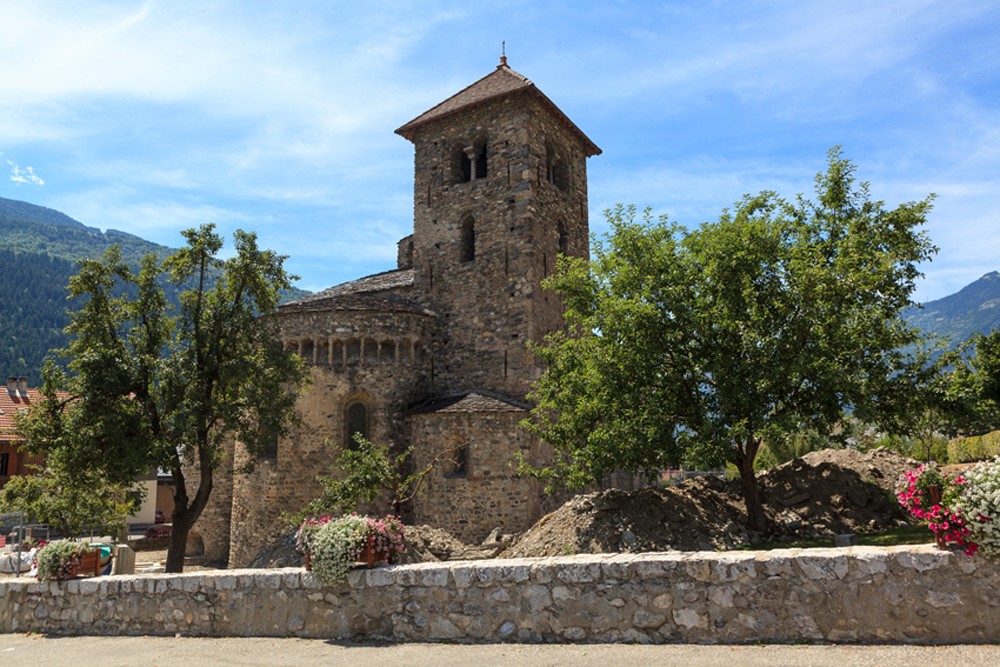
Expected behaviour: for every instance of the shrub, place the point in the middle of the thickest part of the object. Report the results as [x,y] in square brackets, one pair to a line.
[59,560]
[154,532]
[974,448]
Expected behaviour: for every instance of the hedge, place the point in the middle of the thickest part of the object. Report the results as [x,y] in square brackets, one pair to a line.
[974,448]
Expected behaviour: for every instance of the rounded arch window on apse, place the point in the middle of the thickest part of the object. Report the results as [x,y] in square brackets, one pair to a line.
[356,422]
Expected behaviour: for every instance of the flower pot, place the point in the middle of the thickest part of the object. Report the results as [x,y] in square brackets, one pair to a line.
[370,555]
[935,493]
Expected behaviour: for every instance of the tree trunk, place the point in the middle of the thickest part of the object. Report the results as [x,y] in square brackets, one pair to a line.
[178,541]
[746,453]
[186,513]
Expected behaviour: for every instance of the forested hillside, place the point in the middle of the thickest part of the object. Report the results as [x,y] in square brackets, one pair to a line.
[32,310]
[973,309]
[39,249]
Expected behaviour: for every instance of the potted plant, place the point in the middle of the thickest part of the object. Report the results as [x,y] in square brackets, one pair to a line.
[384,541]
[934,498]
[60,560]
[332,546]
[979,502]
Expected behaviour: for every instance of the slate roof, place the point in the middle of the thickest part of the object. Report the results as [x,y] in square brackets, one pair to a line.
[471,401]
[501,82]
[368,293]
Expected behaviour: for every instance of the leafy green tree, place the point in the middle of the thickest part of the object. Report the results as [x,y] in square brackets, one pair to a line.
[699,346]
[365,473]
[71,503]
[973,388]
[986,373]
[148,388]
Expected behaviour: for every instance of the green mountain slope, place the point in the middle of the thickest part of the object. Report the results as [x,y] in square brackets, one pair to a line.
[22,211]
[39,249]
[973,309]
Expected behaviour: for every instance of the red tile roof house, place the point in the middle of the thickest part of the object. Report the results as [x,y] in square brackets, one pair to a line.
[18,398]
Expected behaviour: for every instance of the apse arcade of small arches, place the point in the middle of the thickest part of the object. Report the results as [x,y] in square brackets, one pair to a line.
[358,351]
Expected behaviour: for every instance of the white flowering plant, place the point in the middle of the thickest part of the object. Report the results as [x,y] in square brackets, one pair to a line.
[979,503]
[335,547]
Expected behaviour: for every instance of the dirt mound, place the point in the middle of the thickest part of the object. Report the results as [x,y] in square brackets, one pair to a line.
[880,466]
[427,544]
[822,494]
[835,491]
[696,514]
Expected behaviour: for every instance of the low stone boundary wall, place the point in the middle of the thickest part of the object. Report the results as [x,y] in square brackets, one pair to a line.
[857,594]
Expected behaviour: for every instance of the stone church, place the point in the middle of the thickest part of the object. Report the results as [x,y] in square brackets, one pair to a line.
[432,355]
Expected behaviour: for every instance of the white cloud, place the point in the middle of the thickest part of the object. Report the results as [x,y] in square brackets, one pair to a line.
[156,115]
[23,175]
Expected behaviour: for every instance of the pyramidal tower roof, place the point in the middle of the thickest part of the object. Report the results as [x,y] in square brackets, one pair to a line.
[501,82]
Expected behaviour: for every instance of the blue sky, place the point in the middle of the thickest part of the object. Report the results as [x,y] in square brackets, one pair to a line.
[278,117]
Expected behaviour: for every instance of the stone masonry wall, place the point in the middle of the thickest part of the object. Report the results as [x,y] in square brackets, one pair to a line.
[860,594]
[386,384]
[490,494]
[489,307]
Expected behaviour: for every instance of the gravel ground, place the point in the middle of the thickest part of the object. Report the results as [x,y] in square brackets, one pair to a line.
[17,650]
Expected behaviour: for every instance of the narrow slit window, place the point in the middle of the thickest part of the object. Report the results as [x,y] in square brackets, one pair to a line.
[468,240]
[563,239]
[460,462]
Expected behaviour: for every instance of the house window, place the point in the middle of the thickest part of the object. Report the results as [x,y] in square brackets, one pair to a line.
[357,423]
[4,463]
[468,240]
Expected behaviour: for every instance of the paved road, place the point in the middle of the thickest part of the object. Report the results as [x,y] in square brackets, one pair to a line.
[37,650]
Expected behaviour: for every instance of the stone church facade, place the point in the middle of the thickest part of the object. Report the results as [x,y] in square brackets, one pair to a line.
[433,354]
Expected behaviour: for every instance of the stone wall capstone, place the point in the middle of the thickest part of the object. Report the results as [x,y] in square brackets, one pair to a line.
[860,594]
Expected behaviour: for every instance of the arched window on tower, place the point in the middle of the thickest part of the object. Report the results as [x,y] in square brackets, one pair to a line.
[355,422]
[556,172]
[563,238]
[468,241]
[473,162]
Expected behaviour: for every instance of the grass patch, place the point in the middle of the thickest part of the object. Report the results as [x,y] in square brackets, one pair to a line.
[889,538]
[902,535]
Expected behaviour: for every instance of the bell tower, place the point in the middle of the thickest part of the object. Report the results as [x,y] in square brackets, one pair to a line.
[500,190]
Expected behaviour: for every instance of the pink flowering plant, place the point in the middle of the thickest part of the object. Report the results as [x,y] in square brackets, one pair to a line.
[931,496]
[307,529]
[387,536]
